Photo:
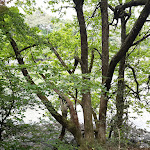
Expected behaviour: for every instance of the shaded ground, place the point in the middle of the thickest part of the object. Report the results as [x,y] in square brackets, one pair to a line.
[35,137]
[45,137]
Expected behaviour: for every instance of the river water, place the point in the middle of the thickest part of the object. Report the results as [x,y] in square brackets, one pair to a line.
[35,115]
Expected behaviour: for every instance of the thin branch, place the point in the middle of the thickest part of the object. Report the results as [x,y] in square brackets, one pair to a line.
[59,58]
[131,51]
[28,47]
[131,90]
[92,60]
[97,7]
[142,39]
[73,113]
[111,8]
[98,52]
[75,98]
[135,79]
[134,75]
[75,64]
[23,50]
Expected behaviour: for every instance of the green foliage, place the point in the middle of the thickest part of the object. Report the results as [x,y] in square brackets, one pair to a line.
[13,97]
[48,34]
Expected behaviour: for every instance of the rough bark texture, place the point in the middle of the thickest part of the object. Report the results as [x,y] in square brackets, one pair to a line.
[105,61]
[120,94]
[127,43]
[86,96]
[121,86]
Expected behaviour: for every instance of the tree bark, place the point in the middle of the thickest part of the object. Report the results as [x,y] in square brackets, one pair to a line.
[73,124]
[105,61]
[127,43]
[121,85]
[86,96]
[133,3]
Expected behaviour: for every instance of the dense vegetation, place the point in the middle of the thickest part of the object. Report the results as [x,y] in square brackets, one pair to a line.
[99,59]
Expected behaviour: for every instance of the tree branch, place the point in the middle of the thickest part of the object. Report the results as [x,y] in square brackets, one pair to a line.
[142,39]
[135,93]
[75,130]
[97,7]
[28,47]
[128,43]
[93,112]
[98,52]
[135,79]
[59,58]
[92,60]
[73,113]
[133,3]
[75,64]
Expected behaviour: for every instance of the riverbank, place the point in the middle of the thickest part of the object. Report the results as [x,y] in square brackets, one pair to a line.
[44,136]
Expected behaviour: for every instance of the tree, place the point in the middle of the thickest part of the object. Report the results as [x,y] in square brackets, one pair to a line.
[13,98]
[20,38]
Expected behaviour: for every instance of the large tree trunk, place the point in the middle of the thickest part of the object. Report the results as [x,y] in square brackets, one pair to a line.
[105,61]
[114,61]
[86,96]
[120,94]
[121,87]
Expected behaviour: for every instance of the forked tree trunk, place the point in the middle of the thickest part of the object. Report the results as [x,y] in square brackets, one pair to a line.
[126,44]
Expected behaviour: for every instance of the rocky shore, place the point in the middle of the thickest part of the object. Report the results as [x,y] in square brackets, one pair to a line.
[44,136]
